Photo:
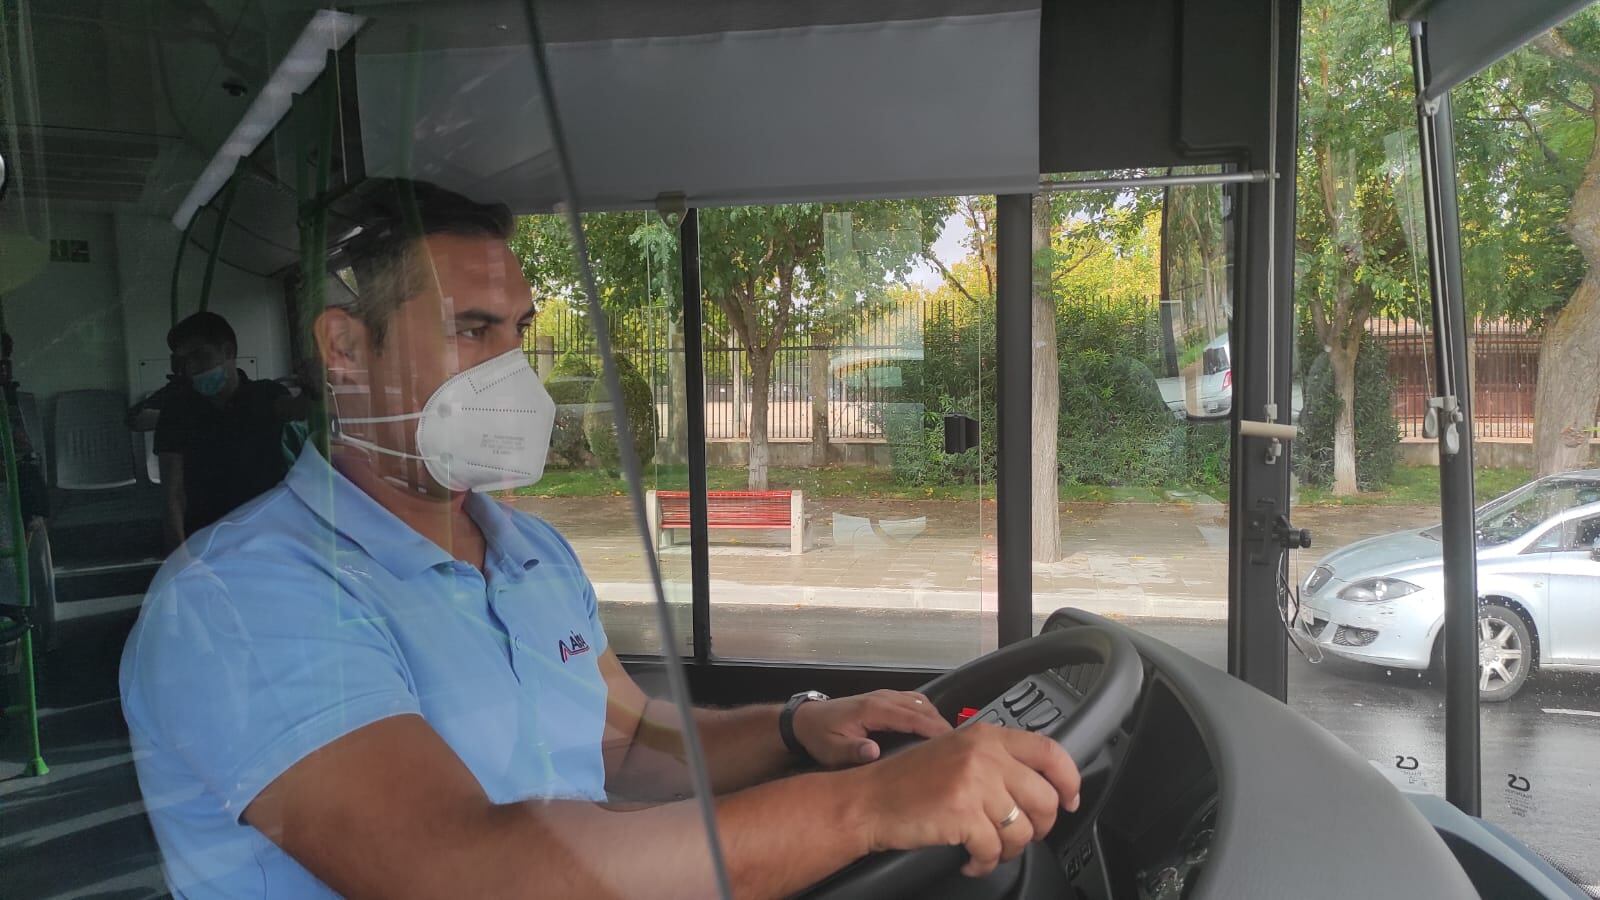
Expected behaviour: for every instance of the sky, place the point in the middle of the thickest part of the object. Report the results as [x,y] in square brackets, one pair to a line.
[949,249]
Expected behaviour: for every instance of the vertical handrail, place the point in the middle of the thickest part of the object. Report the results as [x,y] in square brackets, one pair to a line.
[19,557]
[1458,542]
[1014,416]
[695,395]
[216,245]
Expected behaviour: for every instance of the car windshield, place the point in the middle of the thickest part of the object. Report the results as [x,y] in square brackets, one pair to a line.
[1516,514]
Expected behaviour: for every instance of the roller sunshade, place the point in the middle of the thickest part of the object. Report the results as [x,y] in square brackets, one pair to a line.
[1466,36]
[724,102]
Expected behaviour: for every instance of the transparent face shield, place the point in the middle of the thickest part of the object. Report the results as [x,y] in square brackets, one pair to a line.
[357,205]
[429,88]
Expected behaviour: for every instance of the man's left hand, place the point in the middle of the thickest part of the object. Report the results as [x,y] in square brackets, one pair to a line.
[835,732]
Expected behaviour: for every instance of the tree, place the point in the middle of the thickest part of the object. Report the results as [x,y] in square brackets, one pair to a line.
[1076,239]
[770,270]
[767,272]
[1354,263]
[1568,389]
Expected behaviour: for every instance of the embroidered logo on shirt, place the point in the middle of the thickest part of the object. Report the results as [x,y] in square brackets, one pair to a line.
[572,646]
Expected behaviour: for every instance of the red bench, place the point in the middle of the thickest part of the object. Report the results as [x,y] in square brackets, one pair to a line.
[746,510]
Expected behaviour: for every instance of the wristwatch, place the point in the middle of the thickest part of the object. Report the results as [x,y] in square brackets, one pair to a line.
[786,724]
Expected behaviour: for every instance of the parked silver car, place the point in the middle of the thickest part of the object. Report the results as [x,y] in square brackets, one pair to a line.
[1380,600]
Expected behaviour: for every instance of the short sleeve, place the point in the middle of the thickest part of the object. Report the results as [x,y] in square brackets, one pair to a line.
[241,674]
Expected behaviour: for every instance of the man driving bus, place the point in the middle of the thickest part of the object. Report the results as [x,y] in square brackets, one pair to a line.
[375,680]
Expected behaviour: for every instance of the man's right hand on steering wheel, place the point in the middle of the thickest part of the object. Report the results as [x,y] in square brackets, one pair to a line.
[992,790]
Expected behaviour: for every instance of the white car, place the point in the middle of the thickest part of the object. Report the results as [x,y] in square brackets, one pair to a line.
[1380,600]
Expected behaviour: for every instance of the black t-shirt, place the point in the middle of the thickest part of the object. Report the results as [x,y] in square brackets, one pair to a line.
[231,454]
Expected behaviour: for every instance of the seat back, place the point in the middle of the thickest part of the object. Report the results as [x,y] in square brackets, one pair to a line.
[92,445]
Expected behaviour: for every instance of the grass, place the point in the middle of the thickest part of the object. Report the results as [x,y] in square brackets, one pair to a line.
[1418,486]
[1410,486]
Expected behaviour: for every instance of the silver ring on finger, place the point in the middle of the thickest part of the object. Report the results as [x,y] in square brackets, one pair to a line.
[1015,814]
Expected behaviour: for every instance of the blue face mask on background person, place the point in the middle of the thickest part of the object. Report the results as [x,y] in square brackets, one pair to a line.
[210,382]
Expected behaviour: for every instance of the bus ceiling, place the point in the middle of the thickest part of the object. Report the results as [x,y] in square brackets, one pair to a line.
[723,103]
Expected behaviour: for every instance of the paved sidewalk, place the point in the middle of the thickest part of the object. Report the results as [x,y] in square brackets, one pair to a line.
[1166,560]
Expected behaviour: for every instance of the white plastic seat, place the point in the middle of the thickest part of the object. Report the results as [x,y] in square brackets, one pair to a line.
[92,445]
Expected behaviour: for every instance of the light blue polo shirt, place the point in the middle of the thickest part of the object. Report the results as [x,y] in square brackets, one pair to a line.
[312,611]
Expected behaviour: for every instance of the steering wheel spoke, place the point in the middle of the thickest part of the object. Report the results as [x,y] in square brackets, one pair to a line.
[987,683]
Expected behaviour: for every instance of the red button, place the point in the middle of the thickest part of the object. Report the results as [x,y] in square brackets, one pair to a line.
[966,713]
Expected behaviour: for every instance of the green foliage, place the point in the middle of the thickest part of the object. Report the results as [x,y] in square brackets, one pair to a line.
[600,428]
[570,381]
[1115,429]
[1377,432]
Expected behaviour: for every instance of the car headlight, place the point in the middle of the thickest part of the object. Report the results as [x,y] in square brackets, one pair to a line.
[1373,590]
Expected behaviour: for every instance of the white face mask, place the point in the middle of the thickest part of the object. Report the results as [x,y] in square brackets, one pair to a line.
[486,429]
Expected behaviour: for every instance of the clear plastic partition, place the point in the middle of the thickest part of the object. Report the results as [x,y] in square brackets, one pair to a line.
[1369,594]
[276,282]
[849,381]
[1363,605]
[1526,170]
[635,259]
[1133,385]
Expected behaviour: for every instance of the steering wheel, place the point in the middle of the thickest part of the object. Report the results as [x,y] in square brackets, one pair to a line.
[1082,733]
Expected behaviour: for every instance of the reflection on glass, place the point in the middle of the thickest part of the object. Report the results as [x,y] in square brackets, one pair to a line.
[838,340]
[278,329]
[1527,269]
[1133,383]
[1375,600]
[635,261]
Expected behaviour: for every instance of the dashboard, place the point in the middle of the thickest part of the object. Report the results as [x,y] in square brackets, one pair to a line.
[1202,794]
[1155,794]
[1153,790]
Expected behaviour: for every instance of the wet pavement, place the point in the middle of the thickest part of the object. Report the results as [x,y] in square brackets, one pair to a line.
[1164,560]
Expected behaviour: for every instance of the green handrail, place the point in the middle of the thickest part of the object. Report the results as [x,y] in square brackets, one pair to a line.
[216,244]
[177,264]
[19,557]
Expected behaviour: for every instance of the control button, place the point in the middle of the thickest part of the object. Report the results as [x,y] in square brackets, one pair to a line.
[1020,705]
[993,717]
[1017,693]
[1042,717]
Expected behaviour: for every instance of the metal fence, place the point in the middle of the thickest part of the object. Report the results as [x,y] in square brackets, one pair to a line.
[866,362]
[1505,370]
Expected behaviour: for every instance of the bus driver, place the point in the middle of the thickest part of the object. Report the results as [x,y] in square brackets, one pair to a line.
[375,680]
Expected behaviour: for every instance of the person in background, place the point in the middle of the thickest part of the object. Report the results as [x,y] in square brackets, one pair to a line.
[146,414]
[219,439]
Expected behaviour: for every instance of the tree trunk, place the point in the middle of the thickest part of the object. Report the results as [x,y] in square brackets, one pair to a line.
[819,405]
[1046,395]
[1343,360]
[760,378]
[1568,390]
[1569,375]
[678,410]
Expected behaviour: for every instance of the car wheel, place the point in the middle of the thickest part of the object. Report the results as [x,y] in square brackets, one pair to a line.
[1505,652]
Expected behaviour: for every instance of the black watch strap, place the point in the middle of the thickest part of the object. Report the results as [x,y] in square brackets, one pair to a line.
[786,724]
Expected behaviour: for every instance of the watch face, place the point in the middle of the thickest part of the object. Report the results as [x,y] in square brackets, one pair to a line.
[816,695]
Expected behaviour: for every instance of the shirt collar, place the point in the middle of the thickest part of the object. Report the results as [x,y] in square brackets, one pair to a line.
[353,513]
[509,547]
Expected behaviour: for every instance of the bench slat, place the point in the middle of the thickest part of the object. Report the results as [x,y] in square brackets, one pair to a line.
[729,509]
